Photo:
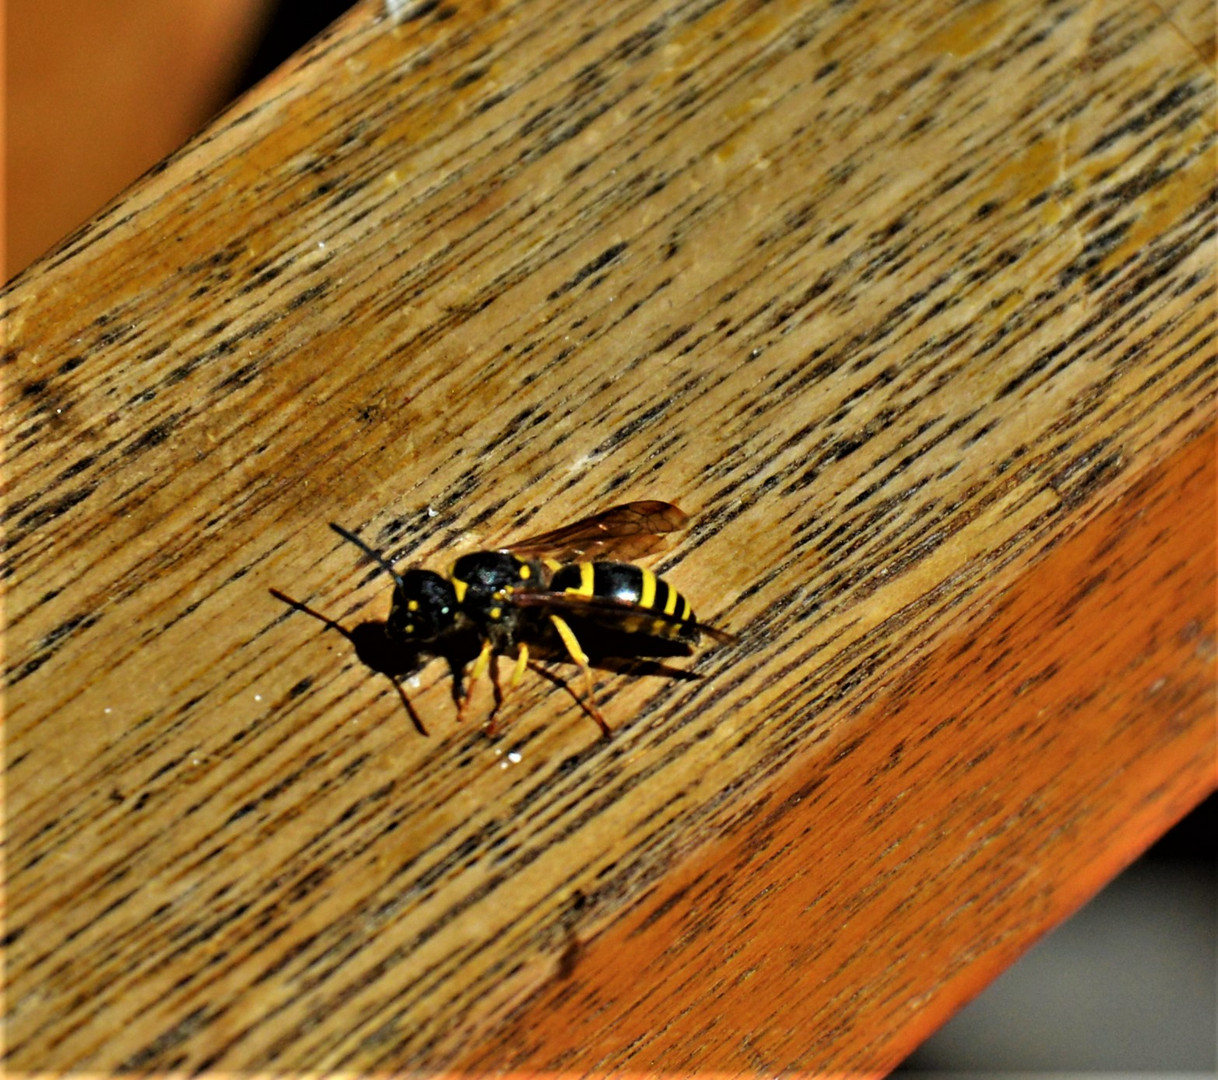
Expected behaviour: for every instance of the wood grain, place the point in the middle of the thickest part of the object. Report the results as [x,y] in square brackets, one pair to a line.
[910,306]
[978,793]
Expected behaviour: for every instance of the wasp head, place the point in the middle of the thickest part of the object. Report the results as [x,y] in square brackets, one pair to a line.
[424,607]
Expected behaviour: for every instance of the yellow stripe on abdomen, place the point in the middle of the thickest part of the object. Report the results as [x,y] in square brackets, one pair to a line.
[670,605]
[647,592]
[587,580]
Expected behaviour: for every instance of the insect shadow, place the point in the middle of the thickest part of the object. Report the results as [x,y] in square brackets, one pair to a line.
[380,653]
[608,650]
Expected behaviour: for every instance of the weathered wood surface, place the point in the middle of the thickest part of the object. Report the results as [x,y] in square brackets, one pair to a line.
[911,306]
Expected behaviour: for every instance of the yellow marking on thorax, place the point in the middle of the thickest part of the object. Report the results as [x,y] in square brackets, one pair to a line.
[459,587]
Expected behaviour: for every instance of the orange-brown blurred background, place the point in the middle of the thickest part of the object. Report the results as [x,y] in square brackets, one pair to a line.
[96,93]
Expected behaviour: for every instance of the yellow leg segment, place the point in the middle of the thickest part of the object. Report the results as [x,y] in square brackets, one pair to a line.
[576,652]
[522,661]
[480,666]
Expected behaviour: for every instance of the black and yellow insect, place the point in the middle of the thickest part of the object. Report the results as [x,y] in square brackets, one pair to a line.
[545,591]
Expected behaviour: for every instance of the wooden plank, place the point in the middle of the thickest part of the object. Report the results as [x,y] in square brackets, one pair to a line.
[997,785]
[910,306]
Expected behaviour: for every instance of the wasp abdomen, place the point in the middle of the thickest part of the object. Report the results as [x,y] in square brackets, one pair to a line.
[629,584]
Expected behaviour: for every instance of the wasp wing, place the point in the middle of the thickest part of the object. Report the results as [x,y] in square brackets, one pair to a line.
[626,532]
[620,615]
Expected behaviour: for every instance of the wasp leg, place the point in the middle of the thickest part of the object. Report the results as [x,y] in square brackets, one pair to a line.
[576,652]
[518,669]
[480,666]
[522,661]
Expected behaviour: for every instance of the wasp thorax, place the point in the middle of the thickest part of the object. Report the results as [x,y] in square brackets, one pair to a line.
[424,606]
[489,573]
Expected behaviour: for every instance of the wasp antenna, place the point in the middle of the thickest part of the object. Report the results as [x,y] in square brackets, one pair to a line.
[299,606]
[372,553]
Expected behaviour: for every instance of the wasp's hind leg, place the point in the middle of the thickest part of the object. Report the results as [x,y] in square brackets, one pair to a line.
[575,651]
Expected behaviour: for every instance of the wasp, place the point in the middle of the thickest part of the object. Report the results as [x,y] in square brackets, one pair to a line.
[544,593]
